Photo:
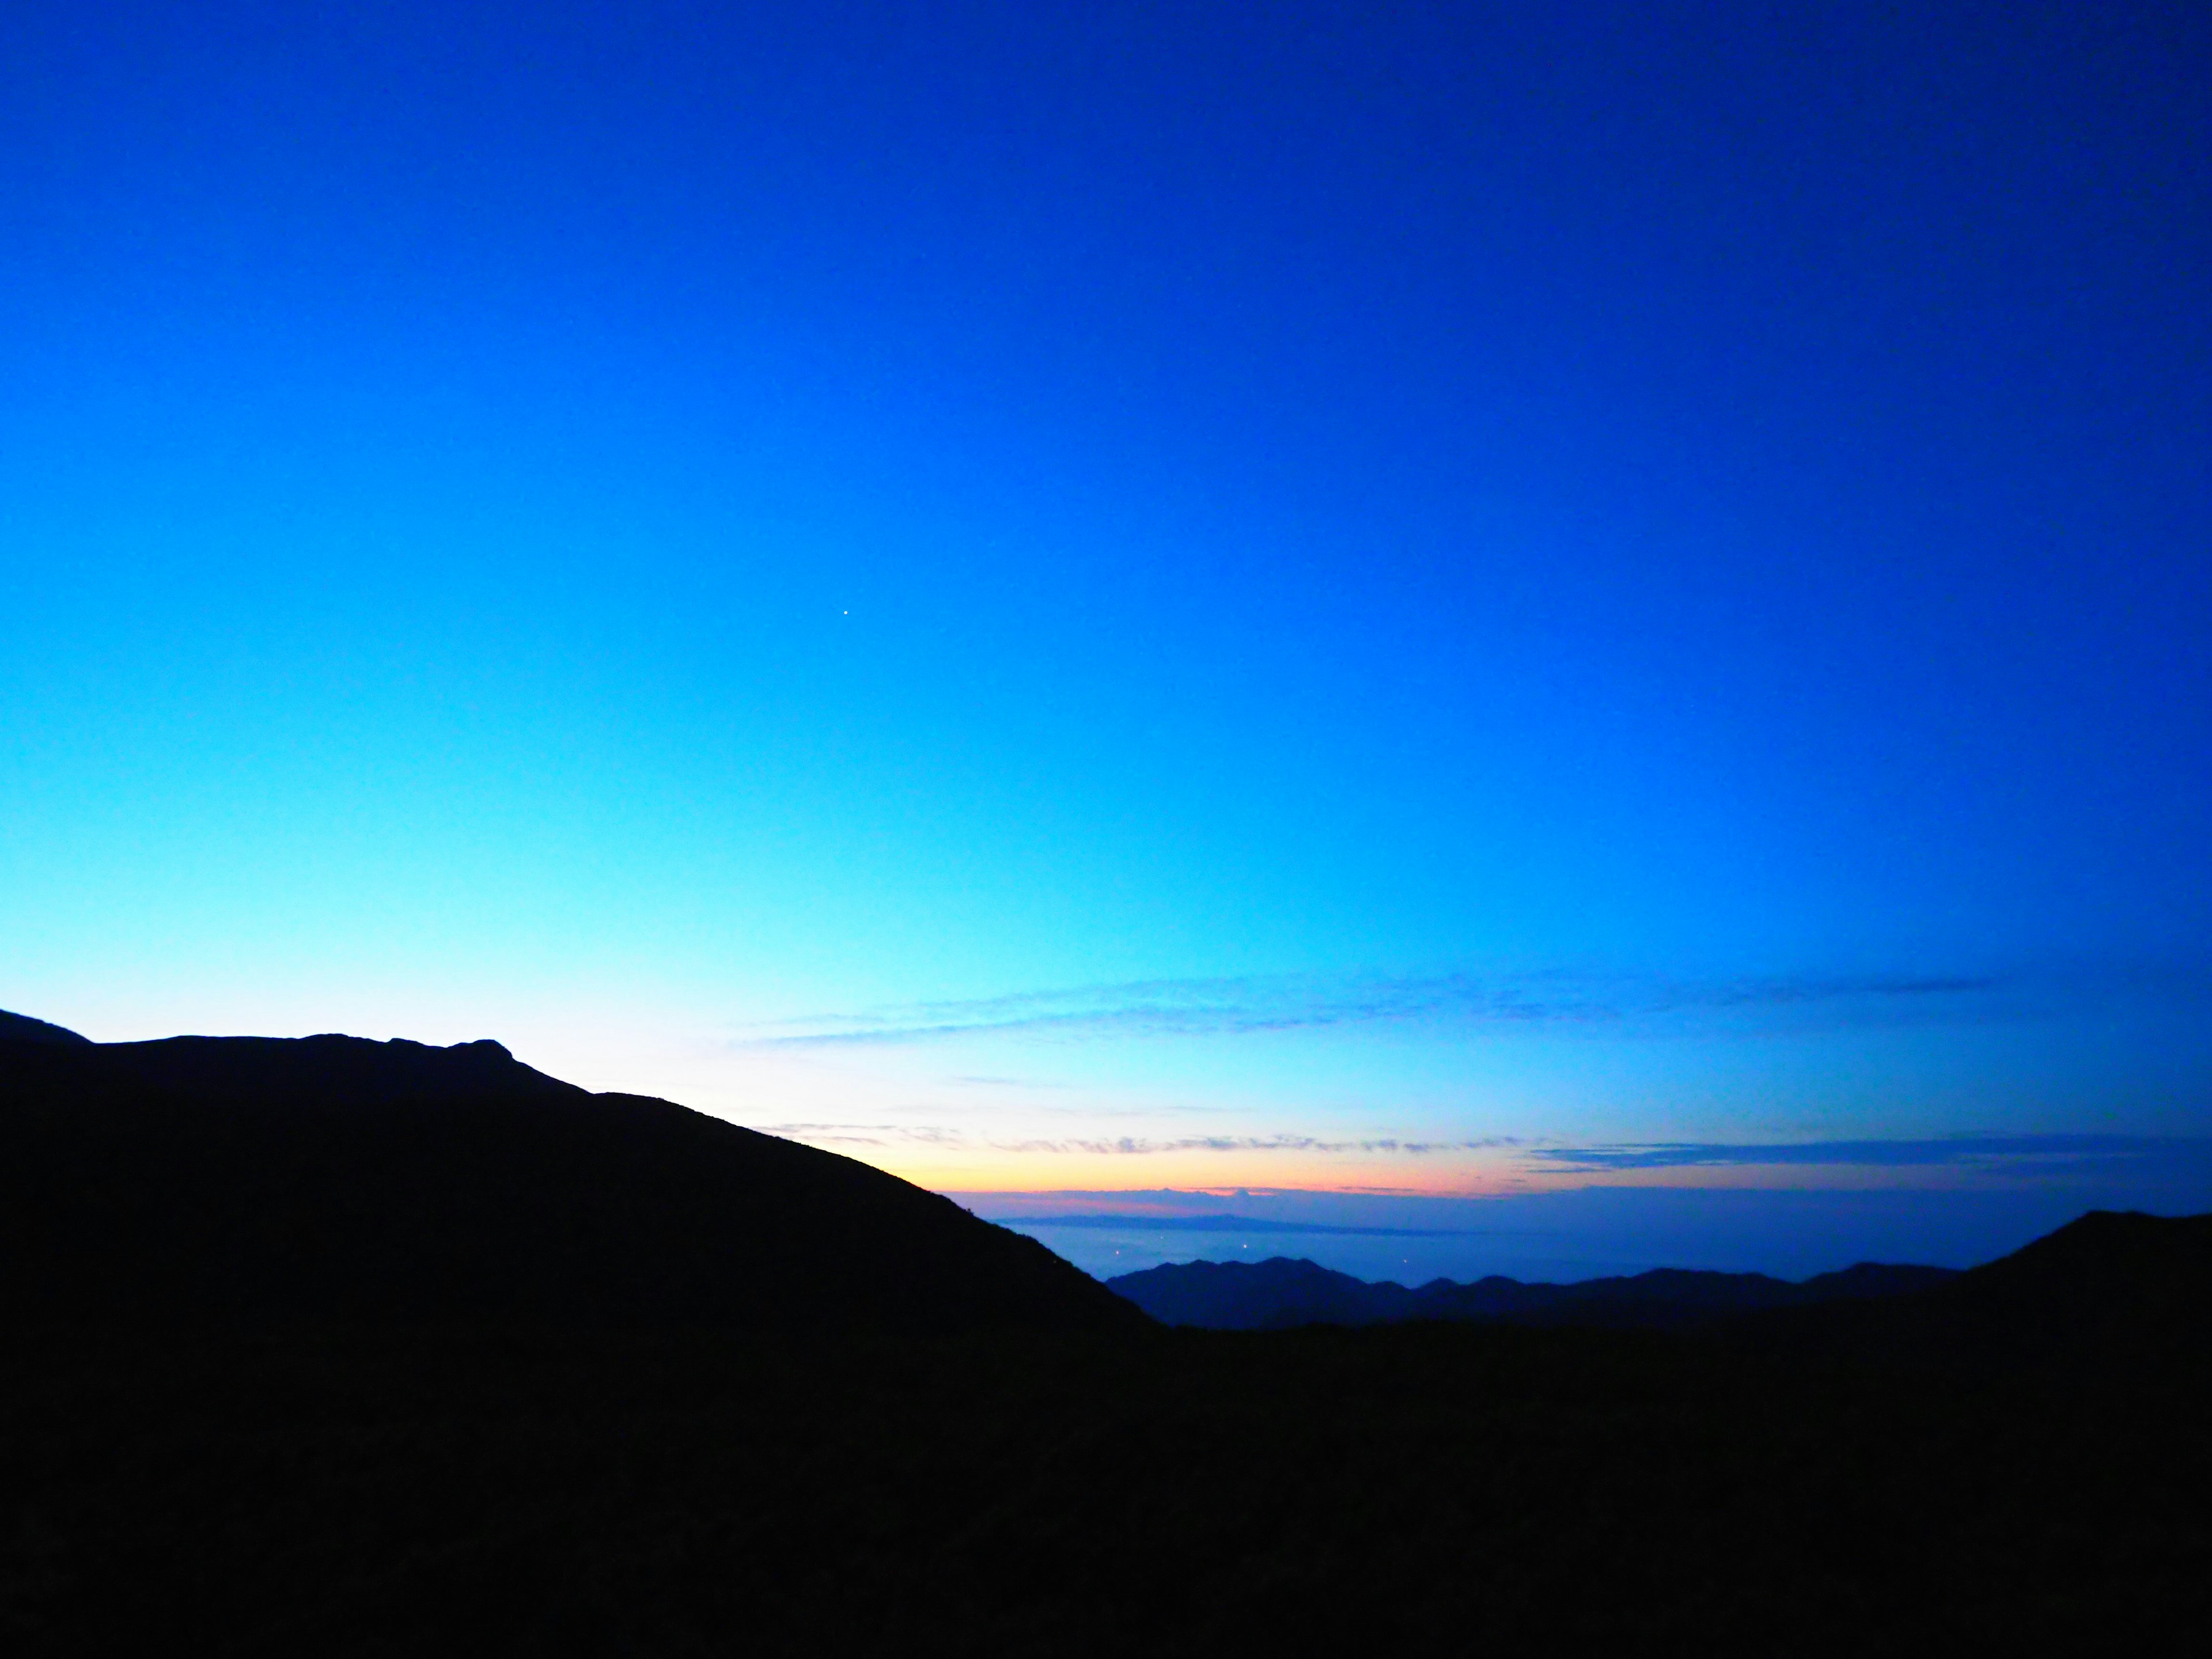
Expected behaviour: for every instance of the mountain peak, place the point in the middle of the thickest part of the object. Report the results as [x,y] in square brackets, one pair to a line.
[21,1028]
[335,1179]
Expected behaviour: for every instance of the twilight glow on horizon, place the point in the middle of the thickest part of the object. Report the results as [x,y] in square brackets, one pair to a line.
[1426,600]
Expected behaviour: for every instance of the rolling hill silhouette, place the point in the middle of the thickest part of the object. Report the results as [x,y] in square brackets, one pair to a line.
[337,1179]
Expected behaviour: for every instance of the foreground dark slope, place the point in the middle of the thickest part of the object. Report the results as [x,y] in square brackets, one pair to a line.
[333,1179]
[1415,1489]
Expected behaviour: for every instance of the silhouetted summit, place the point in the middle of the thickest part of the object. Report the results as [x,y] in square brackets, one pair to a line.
[332,1178]
[2109,1290]
[21,1028]
[1280,1293]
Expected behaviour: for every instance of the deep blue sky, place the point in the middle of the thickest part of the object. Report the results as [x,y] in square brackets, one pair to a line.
[1587,574]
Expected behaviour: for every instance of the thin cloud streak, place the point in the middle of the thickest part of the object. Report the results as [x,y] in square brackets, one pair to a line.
[1955,1151]
[1236,1006]
[882,1135]
[2047,1154]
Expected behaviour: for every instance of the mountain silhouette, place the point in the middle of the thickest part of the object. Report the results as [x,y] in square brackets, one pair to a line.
[333,1345]
[335,1179]
[1281,1292]
[21,1028]
[2109,1290]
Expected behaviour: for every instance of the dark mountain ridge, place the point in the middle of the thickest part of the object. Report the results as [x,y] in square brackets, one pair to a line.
[2110,1290]
[1281,1293]
[334,1179]
[21,1028]
[347,1347]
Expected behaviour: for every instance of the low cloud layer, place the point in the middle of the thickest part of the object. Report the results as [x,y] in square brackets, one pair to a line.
[2019,1156]
[1121,1221]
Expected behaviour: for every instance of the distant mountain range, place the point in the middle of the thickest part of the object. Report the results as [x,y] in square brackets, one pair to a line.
[2109,1290]
[333,1179]
[1281,1293]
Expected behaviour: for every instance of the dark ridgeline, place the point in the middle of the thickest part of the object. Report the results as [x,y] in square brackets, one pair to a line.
[2112,1292]
[338,1347]
[1280,1293]
[335,1179]
[21,1028]
[2105,1291]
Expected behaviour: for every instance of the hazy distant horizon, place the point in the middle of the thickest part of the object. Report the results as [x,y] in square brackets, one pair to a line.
[1578,1233]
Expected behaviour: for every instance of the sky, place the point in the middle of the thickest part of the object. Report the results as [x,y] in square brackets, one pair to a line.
[1381,605]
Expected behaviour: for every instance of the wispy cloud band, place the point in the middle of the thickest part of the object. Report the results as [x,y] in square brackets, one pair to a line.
[1954,1150]
[2016,1154]
[1552,998]
[892,1134]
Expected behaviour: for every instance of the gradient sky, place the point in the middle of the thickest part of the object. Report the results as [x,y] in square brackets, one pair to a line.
[1133,597]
